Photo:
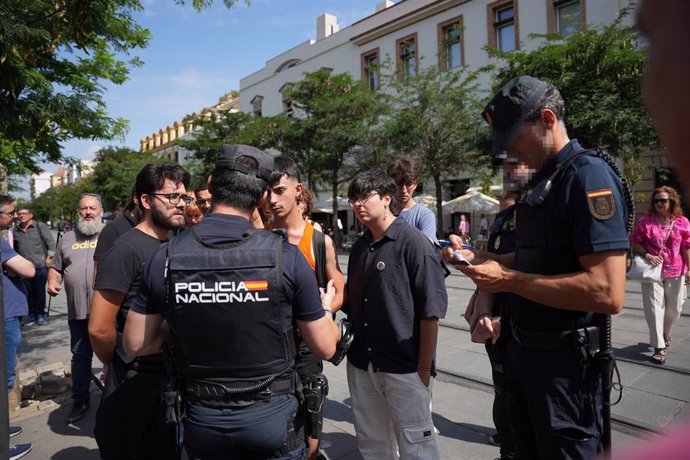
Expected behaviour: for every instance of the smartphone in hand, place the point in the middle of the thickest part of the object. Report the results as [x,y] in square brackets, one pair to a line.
[458,259]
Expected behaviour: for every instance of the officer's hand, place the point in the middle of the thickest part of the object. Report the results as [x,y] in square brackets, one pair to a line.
[328,295]
[54,288]
[488,328]
[489,276]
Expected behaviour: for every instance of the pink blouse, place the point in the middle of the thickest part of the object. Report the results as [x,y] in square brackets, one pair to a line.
[462,228]
[651,235]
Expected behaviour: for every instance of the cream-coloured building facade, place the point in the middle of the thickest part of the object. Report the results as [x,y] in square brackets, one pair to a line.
[414,34]
[164,141]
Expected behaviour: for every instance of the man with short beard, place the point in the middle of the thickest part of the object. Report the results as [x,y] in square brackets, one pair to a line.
[130,422]
[73,263]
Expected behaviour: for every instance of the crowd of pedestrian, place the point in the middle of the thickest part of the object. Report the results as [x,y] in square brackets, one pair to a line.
[212,313]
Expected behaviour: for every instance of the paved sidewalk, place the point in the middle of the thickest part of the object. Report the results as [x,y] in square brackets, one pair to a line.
[651,395]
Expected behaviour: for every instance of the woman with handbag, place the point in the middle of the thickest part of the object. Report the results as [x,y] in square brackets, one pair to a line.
[662,237]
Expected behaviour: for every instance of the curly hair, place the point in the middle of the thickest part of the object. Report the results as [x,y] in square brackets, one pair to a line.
[674,197]
[307,199]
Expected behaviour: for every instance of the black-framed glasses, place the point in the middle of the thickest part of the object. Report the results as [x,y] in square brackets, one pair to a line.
[9,213]
[660,200]
[175,198]
[362,201]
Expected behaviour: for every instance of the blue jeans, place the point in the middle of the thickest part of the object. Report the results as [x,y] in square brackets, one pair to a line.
[13,337]
[259,431]
[36,292]
[82,354]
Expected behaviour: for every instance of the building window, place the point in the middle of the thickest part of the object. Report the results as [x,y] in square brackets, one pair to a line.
[450,40]
[565,17]
[257,105]
[503,28]
[407,56]
[287,100]
[370,69]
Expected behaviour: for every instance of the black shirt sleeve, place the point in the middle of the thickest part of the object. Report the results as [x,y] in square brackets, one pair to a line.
[118,269]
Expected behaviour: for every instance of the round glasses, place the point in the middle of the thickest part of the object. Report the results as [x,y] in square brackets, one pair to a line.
[361,201]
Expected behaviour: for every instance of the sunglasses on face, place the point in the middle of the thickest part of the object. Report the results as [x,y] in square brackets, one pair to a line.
[660,200]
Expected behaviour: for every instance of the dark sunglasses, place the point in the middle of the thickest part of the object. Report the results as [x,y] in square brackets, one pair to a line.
[660,200]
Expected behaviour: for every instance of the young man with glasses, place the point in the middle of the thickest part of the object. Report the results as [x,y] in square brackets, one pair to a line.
[405,174]
[14,269]
[73,263]
[34,241]
[129,422]
[396,294]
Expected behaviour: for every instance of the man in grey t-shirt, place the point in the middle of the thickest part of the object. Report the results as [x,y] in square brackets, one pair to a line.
[73,263]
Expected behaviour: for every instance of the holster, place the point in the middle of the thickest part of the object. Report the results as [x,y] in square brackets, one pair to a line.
[315,395]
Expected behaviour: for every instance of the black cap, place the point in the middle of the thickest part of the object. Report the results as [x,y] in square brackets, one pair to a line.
[229,154]
[508,109]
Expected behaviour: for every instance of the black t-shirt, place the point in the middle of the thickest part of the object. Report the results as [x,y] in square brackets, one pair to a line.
[121,266]
[111,232]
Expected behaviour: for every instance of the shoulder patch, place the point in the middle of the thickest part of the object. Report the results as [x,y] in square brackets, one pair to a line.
[601,203]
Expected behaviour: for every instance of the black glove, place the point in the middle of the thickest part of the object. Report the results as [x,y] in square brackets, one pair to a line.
[347,335]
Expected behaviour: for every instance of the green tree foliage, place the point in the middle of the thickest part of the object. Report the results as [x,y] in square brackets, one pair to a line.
[334,118]
[435,119]
[598,72]
[216,128]
[114,175]
[55,57]
[202,4]
[57,203]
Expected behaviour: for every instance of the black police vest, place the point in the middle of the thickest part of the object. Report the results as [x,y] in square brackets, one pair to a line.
[224,308]
[544,246]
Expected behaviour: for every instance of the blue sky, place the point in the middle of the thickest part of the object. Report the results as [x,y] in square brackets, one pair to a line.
[195,58]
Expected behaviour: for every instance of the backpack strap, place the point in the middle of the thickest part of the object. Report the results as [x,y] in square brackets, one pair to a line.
[318,243]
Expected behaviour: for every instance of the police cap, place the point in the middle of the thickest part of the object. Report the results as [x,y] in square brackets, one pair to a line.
[230,155]
[508,109]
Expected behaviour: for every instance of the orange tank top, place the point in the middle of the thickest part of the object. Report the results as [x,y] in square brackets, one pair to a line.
[305,245]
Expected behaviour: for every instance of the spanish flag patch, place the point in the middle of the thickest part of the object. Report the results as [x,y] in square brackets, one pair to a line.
[260,285]
[601,203]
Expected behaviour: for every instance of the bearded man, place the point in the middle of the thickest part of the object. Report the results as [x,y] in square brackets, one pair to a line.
[73,263]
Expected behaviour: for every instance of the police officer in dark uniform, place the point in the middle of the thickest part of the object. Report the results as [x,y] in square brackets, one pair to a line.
[501,241]
[231,297]
[567,269]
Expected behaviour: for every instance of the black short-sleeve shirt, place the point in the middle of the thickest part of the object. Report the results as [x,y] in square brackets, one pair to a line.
[584,213]
[301,289]
[392,284]
[111,232]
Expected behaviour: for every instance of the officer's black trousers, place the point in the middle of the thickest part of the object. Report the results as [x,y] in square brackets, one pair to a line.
[555,411]
[497,357]
[264,430]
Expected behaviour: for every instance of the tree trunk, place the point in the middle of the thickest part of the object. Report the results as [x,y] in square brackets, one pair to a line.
[3,180]
[439,206]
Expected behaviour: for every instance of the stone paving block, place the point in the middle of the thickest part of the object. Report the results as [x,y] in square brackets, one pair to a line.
[647,408]
[668,384]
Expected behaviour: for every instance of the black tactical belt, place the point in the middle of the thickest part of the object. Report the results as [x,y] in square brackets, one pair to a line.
[219,394]
[551,340]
